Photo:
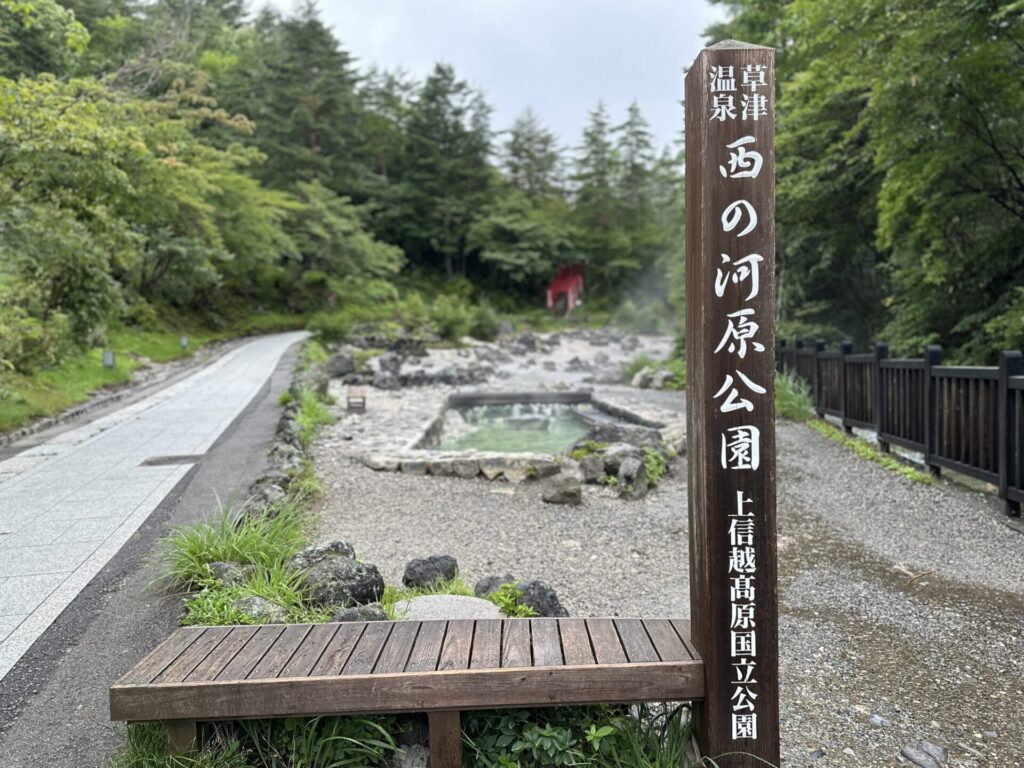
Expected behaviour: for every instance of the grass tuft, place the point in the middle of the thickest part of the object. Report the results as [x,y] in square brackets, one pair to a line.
[264,539]
[792,397]
[867,451]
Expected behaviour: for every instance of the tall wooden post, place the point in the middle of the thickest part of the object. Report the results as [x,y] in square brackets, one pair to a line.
[730,343]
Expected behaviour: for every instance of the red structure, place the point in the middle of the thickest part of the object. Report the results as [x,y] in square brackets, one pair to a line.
[565,288]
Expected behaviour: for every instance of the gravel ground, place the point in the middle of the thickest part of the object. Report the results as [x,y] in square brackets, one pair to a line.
[938,658]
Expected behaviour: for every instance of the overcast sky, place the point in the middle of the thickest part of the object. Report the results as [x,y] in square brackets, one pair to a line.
[558,56]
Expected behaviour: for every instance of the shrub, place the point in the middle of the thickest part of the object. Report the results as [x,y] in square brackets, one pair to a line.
[792,397]
[485,324]
[312,414]
[508,598]
[451,317]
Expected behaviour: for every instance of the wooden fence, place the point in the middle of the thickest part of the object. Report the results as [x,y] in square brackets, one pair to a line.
[962,418]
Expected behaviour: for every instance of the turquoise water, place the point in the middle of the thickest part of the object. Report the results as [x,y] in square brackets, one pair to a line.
[520,428]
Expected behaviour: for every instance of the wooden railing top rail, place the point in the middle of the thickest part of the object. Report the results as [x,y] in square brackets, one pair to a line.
[965,372]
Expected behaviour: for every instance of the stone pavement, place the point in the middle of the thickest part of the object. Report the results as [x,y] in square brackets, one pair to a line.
[69,504]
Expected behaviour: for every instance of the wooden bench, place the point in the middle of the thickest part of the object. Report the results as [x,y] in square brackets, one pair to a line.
[355,401]
[438,667]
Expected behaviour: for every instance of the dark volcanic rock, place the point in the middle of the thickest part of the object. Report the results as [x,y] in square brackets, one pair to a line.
[430,571]
[542,598]
[370,612]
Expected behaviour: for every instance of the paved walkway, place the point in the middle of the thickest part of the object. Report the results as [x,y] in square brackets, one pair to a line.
[68,505]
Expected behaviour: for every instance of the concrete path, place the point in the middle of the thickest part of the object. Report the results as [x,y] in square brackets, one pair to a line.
[69,504]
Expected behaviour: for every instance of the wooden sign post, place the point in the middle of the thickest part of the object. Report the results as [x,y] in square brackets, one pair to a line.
[730,347]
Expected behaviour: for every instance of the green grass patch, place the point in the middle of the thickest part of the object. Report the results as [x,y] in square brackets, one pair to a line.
[393,595]
[312,415]
[213,605]
[264,540]
[867,451]
[792,397]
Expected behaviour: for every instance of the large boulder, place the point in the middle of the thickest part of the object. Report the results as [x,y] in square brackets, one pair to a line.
[620,432]
[445,607]
[616,453]
[341,363]
[632,479]
[592,467]
[332,576]
[541,598]
[260,609]
[430,571]
[563,489]
[370,612]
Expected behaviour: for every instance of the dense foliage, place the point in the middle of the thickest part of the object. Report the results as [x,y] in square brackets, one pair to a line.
[900,168]
[187,159]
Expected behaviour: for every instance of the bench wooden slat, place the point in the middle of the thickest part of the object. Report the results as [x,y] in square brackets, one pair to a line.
[250,655]
[427,651]
[575,641]
[682,628]
[410,692]
[280,653]
[458,643]
[225,651]
[605,642]
[181,667]
[515,644]
[309,653]
[162,656]
[666,640]
[639,648]
[486,645]
[338,649]
[547,645]
[368,649]
[398,647]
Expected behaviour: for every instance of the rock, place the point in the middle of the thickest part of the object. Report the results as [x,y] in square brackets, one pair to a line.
[817,754]
[310,556]
[491,584]
[989,735]
[466,468]
[341,363]
[390,362]
[333,577]
[879,722]
[430,571]
[616,453]
[382,463]
[549,365]
[230,574]
[542,598]
[446,607]
[633,482]
[386,380]
[661,378]
[369,612]
[261,609]
[562,489]
[592,467]
[919,758]
[642,378]
[440,467]
[412,756]
[940,754]
[414,467]
[543,468]
[618,432]
[602,358]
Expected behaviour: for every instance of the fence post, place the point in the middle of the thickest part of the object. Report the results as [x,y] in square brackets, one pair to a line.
[932,358]
[846,348]
[780,358]
[1010,364]
[819,347]
[881,352]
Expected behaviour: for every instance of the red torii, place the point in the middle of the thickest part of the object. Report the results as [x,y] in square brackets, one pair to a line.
[568,281]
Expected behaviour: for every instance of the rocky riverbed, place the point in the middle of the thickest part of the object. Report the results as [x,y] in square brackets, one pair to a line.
[902,620]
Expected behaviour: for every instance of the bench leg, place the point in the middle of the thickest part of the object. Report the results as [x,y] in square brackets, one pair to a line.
[445,739]
[182,737]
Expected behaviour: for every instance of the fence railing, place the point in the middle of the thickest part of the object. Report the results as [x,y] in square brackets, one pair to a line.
[962,418]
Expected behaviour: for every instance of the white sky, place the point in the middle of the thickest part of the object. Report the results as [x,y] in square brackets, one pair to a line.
[558,56]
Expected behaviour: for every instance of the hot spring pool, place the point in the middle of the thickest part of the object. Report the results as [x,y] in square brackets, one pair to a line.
[513,428]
